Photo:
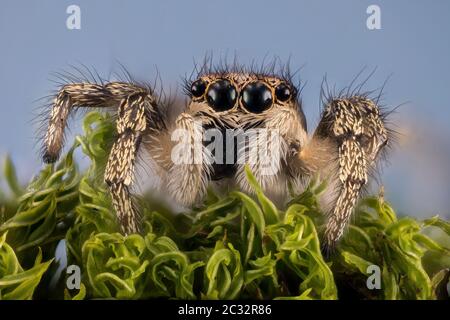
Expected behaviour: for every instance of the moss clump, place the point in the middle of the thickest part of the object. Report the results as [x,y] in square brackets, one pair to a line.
[232,246]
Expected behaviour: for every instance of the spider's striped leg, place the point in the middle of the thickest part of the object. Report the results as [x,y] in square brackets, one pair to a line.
[138,114]
[74,95]
[134,113]
[355,127]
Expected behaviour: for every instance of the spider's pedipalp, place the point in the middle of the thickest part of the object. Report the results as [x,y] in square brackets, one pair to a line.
[190,171]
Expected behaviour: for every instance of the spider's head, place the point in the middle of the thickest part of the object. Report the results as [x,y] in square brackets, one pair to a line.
[247,101]
[241,99]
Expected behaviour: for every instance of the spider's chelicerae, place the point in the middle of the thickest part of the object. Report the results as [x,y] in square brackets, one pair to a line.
[343,149]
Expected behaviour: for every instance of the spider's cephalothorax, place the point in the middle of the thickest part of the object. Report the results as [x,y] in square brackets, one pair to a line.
[343,148]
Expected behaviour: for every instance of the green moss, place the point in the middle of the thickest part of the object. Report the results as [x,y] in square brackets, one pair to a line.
[231,246]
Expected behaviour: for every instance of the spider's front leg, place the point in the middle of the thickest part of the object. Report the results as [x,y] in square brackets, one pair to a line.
[352,133]
[132,124]
[138,115]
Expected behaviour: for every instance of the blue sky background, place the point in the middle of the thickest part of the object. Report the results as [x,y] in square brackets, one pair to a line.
[325,37]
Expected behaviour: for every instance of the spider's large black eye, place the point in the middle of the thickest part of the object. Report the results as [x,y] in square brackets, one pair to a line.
[283,92]
[198,88]
[256,97]
[221,95]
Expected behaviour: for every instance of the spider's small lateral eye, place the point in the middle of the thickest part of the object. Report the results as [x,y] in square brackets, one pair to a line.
[283,92]
[257,97]
[198,88]
[221,95]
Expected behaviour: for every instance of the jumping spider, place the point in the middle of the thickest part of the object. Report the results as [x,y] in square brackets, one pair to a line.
[343,149]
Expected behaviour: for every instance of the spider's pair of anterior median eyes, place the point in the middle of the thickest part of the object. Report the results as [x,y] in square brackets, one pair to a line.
[256,96]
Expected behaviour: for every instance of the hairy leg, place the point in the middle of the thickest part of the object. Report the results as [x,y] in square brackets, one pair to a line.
[84,95]
[138,115]
[119,174]
[345,145]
